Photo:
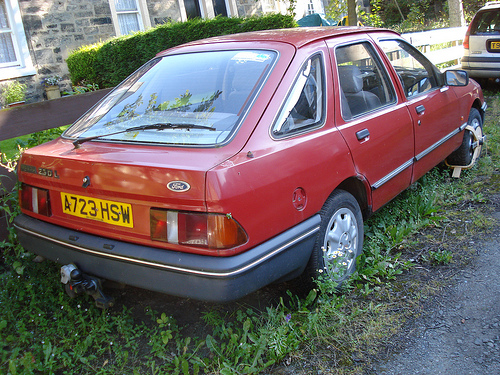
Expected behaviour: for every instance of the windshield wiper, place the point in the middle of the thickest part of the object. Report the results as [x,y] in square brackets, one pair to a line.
[158,126]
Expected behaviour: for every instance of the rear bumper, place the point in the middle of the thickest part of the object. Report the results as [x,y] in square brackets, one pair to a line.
[186,275]
[481,67]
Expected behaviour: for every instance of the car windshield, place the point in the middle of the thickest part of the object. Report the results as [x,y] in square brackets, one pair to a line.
[204,95]
[487,22]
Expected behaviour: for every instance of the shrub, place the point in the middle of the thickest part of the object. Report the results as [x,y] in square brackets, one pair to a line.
[14,92]
[81,64]
[109,63]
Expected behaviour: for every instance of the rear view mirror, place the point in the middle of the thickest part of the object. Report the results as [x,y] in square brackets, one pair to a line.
[456,78]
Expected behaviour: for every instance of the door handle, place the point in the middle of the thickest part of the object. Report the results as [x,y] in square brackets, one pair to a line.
[420,109]
[362,134]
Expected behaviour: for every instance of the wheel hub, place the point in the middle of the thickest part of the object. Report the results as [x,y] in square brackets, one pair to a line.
[340,244]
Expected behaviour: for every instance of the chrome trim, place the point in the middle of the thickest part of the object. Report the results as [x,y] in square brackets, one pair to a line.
[393,174]
[440,142]
[174,268]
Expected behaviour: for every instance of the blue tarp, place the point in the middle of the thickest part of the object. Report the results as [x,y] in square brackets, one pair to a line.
[315,20]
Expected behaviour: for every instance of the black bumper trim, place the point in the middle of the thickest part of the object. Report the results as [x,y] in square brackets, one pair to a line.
[187,275]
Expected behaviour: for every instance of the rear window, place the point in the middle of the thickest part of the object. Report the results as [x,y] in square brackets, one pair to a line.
[204,96]
[486,23]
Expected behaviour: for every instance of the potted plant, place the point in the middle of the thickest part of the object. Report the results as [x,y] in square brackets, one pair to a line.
[14,93]
[51,84]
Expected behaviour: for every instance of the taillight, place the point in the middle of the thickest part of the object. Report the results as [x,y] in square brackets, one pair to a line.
[212,231]
[35,200]
[466,39]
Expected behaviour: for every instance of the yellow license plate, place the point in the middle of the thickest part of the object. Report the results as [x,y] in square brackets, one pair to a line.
[110,212]
[495,45]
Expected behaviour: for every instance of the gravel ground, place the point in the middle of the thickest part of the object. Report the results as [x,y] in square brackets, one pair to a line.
[462,334]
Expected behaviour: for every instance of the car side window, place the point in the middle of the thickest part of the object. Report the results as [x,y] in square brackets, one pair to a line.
[416,73]
[364,82]
[304,106]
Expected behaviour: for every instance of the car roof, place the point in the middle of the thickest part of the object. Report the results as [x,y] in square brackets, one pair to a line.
[491,5]
[297,37]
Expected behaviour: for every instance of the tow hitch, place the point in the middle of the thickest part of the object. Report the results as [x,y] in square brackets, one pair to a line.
[76,282]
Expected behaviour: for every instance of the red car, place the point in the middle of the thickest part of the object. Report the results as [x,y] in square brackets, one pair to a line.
[226,164]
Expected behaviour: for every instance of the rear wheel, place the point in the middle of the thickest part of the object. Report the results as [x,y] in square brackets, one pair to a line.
[463,155]
[340,239]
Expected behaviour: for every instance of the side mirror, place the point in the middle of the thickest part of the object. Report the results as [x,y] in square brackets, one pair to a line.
[456,78]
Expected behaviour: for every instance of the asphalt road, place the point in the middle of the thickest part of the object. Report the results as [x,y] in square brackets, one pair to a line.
[462,334]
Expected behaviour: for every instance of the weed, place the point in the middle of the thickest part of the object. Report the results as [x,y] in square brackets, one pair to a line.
[438,257]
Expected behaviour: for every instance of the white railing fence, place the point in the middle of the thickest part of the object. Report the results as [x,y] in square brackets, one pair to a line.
[429,43]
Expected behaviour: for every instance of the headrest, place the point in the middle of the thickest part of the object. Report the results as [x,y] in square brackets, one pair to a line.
[350,79]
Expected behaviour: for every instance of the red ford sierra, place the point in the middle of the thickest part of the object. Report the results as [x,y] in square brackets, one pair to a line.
[226,164]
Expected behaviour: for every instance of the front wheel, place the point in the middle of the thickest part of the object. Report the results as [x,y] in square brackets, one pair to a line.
[463,155]
[340,239]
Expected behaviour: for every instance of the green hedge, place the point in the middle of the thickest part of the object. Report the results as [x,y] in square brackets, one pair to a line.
[108,63]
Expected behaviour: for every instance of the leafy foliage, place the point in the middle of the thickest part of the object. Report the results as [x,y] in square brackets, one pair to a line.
[13,92]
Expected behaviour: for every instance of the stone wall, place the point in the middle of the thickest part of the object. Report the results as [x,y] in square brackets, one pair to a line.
[163,11]
[54,29]
[248,8]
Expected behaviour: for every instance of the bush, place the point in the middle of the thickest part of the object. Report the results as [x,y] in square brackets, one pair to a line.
[13,92]
[81,64]
[109,63]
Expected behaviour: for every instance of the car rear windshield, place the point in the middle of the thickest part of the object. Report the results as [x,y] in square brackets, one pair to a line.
[194,99]
[487,22]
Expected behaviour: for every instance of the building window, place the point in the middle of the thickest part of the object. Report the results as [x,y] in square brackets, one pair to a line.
[7,52]
[15,60]
[310,7]
[192,8]
[220,8]
[129,16]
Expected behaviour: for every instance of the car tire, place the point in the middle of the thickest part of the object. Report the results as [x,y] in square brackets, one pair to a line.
[463,155]
[340,239]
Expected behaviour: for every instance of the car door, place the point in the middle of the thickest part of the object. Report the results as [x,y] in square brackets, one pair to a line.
[433,107]
[373,120]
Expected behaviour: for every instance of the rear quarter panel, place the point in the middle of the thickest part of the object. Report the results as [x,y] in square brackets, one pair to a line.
[256,186]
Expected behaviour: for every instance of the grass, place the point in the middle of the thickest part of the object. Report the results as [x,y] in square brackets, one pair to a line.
[10,148]
[412,247]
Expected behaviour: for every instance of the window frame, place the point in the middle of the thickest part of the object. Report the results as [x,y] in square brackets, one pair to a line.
[436,74]
[479,17]
[93,115]
[23,66]
[378,61]
[142,16]
[316,125]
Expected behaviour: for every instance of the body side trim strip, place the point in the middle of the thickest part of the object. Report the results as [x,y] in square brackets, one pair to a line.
[393,174]
[440,142]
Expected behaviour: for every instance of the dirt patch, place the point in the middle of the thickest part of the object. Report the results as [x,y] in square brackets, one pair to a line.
[460,332]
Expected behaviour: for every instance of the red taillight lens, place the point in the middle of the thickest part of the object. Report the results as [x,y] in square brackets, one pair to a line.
[212,231]
[466,39]
[35,200]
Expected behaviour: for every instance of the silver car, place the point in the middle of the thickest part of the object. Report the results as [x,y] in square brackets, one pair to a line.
[482,43]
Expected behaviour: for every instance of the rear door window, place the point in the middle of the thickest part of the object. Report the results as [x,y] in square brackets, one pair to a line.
[364,83]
